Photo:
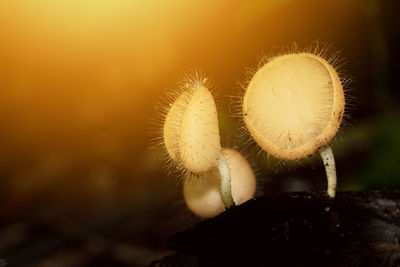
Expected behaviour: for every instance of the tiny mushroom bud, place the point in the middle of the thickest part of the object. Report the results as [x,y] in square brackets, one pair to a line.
[202,194]
[293,106]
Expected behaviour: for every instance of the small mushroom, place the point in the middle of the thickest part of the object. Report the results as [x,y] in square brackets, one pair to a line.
[191,136]
[202,194]
[293,106]
[191,133]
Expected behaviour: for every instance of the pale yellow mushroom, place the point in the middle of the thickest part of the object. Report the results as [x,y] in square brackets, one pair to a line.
[191,136]
[202,194]
[172,124]
[199,139]
[293,106]
[191,133]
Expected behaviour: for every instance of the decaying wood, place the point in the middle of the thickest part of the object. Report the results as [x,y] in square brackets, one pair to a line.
[296,229]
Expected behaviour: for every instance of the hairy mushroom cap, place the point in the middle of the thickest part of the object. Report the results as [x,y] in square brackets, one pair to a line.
[294,105]
[191,133]
[203,196]
[172,124]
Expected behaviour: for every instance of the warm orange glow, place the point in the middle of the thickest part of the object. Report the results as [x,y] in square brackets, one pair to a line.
[79,80]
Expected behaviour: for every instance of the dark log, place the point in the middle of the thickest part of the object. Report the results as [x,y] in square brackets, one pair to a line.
[296,229]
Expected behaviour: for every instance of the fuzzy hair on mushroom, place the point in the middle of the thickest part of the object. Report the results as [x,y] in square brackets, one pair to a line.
[293,107]
[191,136]
[191,133]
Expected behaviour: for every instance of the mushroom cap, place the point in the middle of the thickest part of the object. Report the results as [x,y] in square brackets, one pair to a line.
[203,194]
[172,124]
[191,133]
[294,105]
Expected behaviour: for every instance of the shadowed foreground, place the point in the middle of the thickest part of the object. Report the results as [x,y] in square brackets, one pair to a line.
[296,229]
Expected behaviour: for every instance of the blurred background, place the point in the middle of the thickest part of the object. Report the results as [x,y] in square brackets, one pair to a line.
[80,82]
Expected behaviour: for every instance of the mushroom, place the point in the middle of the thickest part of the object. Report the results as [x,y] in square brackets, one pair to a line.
[202,195]
[191,135]
[293,106]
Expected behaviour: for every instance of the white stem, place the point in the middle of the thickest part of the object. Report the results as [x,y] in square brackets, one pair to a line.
[329,163]
[225,173]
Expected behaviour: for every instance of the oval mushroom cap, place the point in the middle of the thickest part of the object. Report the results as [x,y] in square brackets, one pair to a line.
[191,133]
[203,194]
[199,140]
[172,124]
[294,105]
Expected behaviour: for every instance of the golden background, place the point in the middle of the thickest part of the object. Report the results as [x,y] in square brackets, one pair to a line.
[80,79]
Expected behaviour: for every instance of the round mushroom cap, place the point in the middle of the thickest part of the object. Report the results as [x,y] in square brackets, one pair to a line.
[191,133]
[203,194]
[294,105]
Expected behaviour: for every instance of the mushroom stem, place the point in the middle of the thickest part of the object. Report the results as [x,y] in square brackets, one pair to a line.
[225,173]
[329,163]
